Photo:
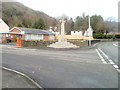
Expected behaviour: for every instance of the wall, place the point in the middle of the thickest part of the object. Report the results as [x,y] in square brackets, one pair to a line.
[3,27]
[46,37]
[51,37]
[40,43]
[33,37]
[75,37]
[77,33]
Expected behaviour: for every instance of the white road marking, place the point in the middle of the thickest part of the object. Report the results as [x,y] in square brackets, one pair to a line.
[115,45]
[111,61]
[102,59]
[115,66]
[103,53]
[118,70]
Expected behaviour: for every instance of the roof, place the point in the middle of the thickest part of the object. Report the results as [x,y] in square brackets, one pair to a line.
[33,31]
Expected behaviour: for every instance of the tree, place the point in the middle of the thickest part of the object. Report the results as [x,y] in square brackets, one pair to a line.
[111,26]
[81,22]
[97,24]
[19,25]
[69,25]
[39,24]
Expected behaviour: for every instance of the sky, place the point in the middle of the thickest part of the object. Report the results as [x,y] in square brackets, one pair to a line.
[73,8]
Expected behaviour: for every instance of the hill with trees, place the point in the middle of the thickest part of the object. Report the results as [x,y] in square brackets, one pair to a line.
[16,14]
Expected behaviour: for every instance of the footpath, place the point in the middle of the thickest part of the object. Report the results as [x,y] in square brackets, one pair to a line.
[13,80]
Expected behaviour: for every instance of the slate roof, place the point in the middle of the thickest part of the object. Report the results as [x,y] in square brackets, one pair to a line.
[34,31]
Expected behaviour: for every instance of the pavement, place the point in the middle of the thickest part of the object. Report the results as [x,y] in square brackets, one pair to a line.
[13,80]
[82,68]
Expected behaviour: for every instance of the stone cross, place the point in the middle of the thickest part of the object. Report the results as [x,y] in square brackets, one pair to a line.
[62,31]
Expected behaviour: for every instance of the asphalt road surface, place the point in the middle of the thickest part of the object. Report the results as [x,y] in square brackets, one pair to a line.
[64,69]
[111,50]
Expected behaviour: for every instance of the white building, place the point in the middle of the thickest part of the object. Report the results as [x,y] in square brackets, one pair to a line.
[55,30]
[89,32]
[4,28]
[77,33]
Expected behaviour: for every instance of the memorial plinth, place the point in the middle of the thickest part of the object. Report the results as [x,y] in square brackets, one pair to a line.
[62,41]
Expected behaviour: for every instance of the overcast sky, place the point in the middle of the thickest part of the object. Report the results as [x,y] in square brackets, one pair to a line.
[73,8]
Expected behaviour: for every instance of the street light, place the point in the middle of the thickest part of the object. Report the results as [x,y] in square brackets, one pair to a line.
[89,30]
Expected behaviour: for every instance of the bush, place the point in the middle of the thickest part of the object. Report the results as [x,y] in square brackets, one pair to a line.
[117,36]
[103,36]
[98,36]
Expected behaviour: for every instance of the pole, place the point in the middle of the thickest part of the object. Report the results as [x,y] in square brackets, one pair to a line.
[89,22]
[89,13]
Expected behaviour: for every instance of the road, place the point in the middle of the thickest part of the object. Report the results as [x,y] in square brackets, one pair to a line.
[63,69]
[111,49]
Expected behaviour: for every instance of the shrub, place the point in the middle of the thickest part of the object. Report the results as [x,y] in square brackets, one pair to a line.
[98,36]
[117,36]
[103,36]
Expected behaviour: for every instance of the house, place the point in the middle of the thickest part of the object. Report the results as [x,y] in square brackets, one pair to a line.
[31,34]
[77,33]
[4,28]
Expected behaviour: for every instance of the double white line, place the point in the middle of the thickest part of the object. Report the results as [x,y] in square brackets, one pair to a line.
[110,61]
[102,59]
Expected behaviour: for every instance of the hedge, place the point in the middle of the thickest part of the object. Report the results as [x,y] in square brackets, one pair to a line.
[117,36]
[105,36]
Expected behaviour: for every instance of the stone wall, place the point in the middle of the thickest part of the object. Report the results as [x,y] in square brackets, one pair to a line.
[42,43]
[78,42]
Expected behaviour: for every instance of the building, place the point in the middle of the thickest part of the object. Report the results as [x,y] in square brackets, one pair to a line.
[4,28]
[77,33]
[89,32]
[54,30]
[28,34]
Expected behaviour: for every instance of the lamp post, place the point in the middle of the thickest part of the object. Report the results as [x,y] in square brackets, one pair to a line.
[89,30]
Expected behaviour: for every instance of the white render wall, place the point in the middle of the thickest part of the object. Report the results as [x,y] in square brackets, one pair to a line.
[76,33]
[3,27]
[51,37]
[33,37]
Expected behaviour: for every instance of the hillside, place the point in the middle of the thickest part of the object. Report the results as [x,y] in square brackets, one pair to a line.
[15,14]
